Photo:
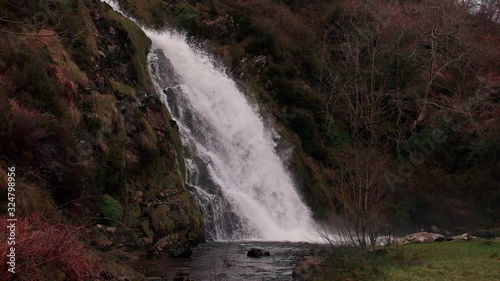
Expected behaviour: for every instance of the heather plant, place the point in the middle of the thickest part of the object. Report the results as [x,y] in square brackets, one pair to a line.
[46,251]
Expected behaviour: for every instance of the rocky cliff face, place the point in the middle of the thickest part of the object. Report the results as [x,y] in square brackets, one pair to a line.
[82,123]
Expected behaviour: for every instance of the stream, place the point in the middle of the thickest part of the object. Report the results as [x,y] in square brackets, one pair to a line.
[228,261]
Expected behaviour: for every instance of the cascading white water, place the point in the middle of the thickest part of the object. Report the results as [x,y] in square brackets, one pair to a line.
[235,174]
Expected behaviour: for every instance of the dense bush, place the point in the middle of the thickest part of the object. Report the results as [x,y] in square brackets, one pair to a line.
[187,19]
[261,44]
[243,26]
[289,93]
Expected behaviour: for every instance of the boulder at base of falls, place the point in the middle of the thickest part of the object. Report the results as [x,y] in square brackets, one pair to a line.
[419,237]
[257,253]
[175,245]
[465,236]
[184,251]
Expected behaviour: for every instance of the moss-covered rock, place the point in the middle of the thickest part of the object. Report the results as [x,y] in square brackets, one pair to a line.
[110,209]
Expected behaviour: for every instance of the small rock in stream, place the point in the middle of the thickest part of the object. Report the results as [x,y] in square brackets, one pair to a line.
[257,253]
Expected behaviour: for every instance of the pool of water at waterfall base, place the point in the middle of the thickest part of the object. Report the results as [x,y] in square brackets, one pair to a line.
[228,261]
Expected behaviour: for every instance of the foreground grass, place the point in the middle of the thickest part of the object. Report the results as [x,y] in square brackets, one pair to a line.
[459,260]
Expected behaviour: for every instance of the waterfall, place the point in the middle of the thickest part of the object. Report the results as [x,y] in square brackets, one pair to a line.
[234,172]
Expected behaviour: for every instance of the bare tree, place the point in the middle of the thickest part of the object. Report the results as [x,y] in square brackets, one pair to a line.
[354,64]
[364,194]
[351,92]
[443,33]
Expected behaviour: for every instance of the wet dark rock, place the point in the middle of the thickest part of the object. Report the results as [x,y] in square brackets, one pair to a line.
[257,253]
[181,251]
[175,245]
[143,98]
[173,123]
[163,71]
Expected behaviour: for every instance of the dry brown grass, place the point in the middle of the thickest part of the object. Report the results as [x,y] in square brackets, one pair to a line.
[74,115]
[27,126]
[122,88]
[35,200]
[46,252]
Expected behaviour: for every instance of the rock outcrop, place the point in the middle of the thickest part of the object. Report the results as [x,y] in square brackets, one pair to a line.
[419,237]
[426,237]
[175,245]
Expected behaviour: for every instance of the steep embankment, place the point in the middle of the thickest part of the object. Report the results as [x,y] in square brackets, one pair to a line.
[409,88]
[81,122]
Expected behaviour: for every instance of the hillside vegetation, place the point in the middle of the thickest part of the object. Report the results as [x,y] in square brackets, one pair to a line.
[410,88]
[89,139]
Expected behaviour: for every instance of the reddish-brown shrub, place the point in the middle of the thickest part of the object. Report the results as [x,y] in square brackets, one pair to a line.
[45,252]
